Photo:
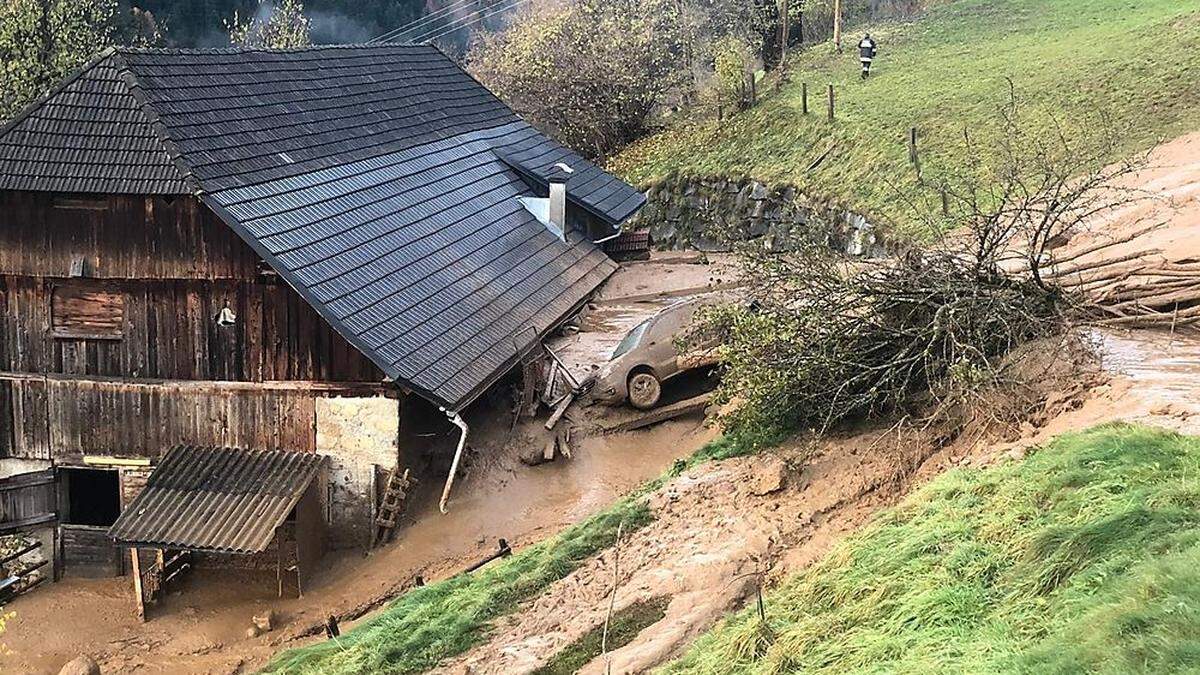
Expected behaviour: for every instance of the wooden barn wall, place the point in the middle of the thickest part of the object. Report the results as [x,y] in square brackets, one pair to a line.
[119,237]
[61,418]
[169,331]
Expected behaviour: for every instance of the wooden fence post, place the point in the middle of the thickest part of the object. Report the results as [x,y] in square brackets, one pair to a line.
[912,151]
[139,599]
[830,90]
[804,97]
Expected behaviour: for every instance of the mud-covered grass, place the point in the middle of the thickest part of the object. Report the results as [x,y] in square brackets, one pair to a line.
[1084,557]
[420,629]
[622,629]
[444,619]
[944,73]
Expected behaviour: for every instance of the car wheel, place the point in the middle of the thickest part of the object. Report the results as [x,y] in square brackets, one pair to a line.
[644,390]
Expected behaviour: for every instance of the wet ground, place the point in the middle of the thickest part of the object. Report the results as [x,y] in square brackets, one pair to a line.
[202,629]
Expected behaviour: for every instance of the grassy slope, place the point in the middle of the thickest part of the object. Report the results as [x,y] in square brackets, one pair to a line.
[1083,558]
[1134,58]
[444,619]
[447,618]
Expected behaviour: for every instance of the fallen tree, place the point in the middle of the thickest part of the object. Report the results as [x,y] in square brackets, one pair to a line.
[828,339]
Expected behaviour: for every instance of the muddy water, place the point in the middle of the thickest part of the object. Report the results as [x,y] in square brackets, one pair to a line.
[1154,363]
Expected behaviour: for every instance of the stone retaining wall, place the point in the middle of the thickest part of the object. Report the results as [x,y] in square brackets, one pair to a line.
[707,214]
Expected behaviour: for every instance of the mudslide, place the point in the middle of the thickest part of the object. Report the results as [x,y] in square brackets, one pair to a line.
[719,526]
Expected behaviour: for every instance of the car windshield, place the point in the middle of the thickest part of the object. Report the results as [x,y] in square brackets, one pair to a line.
[631,340]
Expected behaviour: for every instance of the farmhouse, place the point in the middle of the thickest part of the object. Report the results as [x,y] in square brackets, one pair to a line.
[232,254]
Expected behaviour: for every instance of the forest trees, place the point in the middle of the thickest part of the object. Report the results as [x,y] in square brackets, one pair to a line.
[274,26]
[43,40]
[592,72]
[588,72]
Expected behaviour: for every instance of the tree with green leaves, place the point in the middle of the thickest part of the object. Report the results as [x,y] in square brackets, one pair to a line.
[41,41]
[281,25]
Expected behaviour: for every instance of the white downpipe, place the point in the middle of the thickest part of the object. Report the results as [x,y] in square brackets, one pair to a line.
[608,238]
[462,443]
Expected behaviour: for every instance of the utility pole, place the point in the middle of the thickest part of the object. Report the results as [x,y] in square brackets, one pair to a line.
[837,25]
[783,41]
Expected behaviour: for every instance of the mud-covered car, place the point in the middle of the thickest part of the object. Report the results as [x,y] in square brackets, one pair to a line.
[648,356]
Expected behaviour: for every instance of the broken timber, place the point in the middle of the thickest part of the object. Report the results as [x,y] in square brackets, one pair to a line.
[669,412]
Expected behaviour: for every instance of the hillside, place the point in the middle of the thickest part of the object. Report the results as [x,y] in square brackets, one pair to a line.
[944,73]
[1082,558]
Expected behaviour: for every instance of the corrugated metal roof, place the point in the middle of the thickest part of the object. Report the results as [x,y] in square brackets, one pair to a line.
[371,179]
[217,499]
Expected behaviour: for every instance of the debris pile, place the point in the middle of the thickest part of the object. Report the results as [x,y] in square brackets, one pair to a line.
[1139,289]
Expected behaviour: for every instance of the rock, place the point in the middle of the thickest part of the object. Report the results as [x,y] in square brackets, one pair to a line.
[769,476]
[253,632]
[264,621]
[533,457]
[81,665]
[1016,453]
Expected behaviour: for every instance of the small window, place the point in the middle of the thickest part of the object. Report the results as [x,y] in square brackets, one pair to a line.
[81,203]
[87,314]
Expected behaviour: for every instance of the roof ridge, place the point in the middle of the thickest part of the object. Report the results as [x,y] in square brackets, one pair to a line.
[130,78]
[269,50]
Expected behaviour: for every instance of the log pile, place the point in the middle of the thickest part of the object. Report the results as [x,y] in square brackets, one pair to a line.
[1135,290]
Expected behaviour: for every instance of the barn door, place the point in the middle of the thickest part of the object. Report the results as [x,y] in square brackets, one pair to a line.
[28,500]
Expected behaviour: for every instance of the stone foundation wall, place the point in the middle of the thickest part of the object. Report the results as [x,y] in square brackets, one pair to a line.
[707,214]
[360,436]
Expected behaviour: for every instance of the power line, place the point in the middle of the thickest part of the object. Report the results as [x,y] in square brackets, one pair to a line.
[466,24]
[427,19]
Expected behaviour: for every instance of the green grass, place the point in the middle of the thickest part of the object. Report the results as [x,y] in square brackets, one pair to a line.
[623,628]
[1085,557]
[947,71]
[444,619]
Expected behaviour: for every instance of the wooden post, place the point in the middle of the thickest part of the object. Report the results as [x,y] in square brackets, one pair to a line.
[804,97]
[837,25]
[753,90]
[136,567]
[912,145]
[830,91]
[945,202]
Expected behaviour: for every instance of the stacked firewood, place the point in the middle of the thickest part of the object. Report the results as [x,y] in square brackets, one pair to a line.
[1139,289]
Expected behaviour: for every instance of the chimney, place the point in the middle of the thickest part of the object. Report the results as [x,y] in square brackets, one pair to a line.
[559,175]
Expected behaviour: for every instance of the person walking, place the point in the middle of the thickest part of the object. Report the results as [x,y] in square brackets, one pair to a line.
[866,53]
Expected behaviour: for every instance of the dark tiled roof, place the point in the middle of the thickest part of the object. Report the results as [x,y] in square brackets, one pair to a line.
[89,135]
[216,499]
[371,179]
[611,200]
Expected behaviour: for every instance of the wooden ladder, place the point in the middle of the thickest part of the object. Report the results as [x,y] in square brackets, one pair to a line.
[391,506]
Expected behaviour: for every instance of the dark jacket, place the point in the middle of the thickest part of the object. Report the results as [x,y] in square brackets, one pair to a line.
[867,48]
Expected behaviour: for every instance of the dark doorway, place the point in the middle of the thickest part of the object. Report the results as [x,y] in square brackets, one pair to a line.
[93,497]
